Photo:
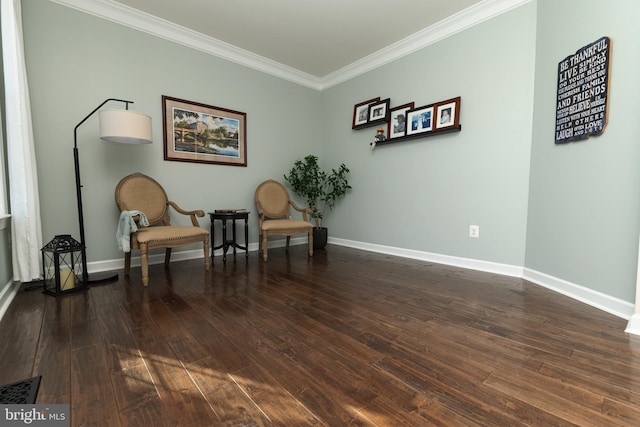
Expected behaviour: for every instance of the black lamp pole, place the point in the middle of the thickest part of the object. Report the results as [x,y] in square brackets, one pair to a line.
[95,277]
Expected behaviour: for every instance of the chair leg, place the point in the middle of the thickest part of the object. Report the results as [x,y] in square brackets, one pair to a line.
[144,264]
[264,246]
[288,241]
[127,263]
[167,257]
[206,253]
[311,243]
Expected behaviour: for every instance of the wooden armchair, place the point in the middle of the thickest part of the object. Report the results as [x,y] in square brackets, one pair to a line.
[273,202]
[138,192]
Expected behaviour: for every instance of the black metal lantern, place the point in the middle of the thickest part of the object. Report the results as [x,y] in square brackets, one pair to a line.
[62,265]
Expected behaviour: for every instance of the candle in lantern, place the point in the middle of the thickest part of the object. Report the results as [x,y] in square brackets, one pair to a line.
[67,279]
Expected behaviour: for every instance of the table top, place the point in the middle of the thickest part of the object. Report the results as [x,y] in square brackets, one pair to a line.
[228,213]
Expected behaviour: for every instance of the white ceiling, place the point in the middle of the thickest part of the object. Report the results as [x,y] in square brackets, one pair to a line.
[316,43]
[317,37]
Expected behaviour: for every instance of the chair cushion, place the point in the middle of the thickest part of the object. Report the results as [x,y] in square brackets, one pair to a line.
[167,233]
[285,224]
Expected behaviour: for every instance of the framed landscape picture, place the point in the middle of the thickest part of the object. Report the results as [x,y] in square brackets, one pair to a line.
[200,133]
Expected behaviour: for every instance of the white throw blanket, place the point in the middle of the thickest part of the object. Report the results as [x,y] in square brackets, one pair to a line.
[126,226]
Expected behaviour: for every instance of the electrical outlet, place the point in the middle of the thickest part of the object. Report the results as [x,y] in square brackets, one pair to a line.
[474,231]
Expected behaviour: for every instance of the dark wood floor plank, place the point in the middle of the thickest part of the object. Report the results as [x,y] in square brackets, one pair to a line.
[228,354]
[230,403]
[92,396]
[119,344]
[20,333]
[423,412]
[621,386]
[490,350]
[148,413]
[435,386]
[569,403]
[180,396]
[24,314]
[137,398]
[186,346]
[621,413]
[53,362]
[18,371]
[274,400]
[345,337]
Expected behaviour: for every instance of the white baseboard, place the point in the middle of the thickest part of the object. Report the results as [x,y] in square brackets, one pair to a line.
[472,264]
[615,306]
[607,303]
[158,258]
[633,326]
[596,299]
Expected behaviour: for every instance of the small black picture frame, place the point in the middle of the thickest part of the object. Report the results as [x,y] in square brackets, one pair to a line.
[379,112]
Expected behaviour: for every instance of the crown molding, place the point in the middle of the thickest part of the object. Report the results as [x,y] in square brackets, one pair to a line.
[456,23]
[125,15]
[133,18]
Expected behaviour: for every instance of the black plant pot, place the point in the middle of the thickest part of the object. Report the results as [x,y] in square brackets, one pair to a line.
[319,237]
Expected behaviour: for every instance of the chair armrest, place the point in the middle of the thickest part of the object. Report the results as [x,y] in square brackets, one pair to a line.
[260,214]
[192,214]
[304,211]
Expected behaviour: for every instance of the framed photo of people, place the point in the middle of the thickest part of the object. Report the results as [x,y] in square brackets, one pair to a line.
[420,120]
[447,113]
[397,124]
[406,121]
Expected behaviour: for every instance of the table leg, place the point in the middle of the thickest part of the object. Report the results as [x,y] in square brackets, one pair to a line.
[246,237]
[235,242]
[213,238]
[224,240]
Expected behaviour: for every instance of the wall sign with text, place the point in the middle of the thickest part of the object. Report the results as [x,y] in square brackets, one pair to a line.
[583,89]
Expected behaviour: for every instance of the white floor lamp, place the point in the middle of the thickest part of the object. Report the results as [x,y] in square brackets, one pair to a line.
[123,126]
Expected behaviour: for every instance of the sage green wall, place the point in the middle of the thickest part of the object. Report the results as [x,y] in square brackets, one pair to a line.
[583,199]
[75,61]
[567,211]
[423,194]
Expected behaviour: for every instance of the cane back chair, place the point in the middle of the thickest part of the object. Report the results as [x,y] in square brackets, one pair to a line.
[138,192]
[274,218]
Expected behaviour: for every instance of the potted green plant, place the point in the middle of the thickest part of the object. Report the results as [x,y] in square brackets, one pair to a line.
[319,189]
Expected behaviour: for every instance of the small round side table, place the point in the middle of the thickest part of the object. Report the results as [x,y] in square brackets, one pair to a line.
[224,216]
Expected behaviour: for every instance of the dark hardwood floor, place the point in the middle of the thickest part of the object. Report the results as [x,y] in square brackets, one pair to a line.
[344,338]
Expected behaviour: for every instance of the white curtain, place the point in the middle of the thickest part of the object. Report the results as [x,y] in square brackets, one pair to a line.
[26,232]
[4,207]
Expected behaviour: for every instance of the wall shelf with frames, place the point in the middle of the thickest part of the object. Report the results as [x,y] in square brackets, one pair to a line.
[416,136]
